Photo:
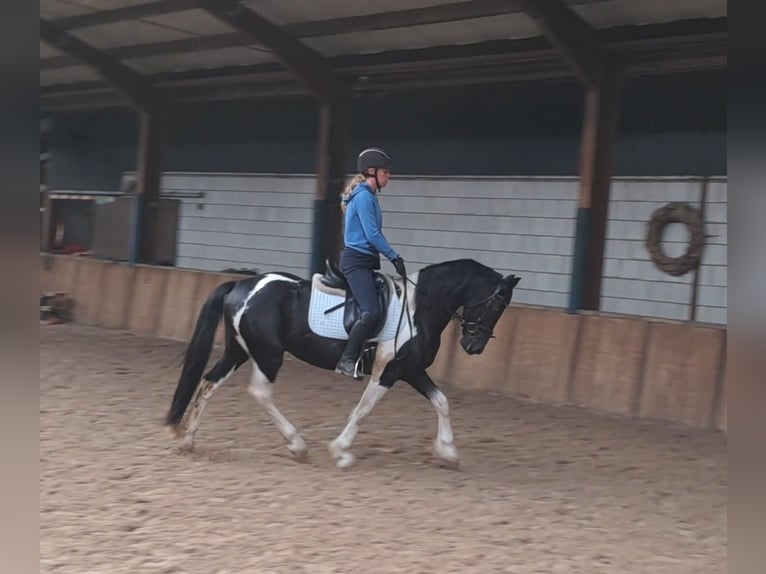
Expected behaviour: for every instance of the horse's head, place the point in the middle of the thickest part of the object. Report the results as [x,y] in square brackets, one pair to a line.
[481,315]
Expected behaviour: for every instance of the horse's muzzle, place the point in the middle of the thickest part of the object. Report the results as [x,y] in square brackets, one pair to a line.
[473,345]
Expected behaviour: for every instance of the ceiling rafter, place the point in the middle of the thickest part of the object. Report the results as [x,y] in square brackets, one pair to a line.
[137,88]
[310,29]
[576,40]
[690,44]
[162,48]
[238,39]
[311,68]
[632,44]
[424,69]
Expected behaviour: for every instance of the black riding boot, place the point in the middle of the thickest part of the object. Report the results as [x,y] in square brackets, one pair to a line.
[356,339]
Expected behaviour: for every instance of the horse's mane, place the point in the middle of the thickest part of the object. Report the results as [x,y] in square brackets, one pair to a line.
[440,282]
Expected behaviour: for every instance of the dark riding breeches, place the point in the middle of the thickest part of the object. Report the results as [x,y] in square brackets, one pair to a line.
[357,268]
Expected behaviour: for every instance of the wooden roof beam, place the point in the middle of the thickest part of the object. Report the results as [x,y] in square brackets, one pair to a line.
[134,86]
[310,67]
[573,37]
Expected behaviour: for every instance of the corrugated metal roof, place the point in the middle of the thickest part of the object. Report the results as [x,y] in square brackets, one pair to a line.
[502,27]
[64,8]
[207,42]
[47,51]
[201,60]
[130,33]
[65,75]
[609,13]
[196,22]
[283,12]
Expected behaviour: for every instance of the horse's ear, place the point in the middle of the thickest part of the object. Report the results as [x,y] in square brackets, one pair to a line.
[512,280]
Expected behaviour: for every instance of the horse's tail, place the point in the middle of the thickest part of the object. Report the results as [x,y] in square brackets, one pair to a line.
[197,353]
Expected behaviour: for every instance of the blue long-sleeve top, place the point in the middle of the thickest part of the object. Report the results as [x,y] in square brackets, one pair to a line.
[364,223]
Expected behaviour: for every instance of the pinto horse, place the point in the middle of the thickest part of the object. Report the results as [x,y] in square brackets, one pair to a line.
[269,314]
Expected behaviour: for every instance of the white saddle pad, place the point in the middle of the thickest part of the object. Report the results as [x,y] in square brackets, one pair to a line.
[331,324]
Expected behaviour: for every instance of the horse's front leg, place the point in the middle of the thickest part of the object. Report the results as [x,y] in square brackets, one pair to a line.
[444,444]
[339,448]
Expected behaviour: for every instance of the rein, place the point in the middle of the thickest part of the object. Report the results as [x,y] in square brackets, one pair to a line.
[406,307]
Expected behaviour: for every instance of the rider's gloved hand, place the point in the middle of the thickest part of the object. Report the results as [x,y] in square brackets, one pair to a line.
[399,266]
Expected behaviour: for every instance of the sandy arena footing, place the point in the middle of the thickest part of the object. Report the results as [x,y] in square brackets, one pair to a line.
[541,489]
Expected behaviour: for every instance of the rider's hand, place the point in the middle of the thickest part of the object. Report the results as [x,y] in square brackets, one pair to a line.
[399,266]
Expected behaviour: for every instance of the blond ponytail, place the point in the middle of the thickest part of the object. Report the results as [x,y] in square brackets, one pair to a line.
[356,180]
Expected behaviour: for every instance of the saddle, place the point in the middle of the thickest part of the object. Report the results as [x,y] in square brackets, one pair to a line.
[333,278]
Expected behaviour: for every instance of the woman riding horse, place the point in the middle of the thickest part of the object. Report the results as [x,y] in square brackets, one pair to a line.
[363,243]
[268,315]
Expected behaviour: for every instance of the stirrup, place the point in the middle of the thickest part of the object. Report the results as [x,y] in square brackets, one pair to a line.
[356,374]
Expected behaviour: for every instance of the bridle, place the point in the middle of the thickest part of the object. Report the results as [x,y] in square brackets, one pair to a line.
[495,303]
[473,327]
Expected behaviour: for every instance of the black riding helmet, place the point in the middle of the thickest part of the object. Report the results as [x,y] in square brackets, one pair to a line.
[373,157]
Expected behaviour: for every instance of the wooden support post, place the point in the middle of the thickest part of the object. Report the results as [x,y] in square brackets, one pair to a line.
[148,182]
[334,120]
[153,109]
[46,223]
[600,74]
[596,161]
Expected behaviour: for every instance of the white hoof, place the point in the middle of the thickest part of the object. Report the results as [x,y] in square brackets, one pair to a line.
[187,444]
[298,449]
[342,458]
[447,452]
[345,460]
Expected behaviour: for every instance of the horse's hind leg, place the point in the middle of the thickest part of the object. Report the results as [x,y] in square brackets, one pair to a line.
[261,388]
[232,359]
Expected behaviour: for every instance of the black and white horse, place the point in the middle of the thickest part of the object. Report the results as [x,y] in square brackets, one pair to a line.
[273,313]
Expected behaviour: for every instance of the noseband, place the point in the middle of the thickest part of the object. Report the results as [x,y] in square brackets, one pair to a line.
[473,327]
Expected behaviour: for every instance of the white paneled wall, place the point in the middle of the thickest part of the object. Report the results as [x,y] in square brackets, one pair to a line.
[711,303]
[632,283]
[245,220]
[516,225]
[522,226]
